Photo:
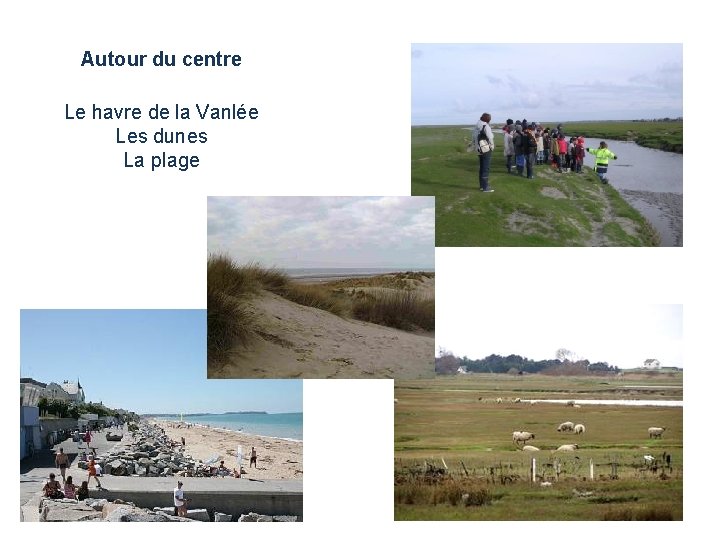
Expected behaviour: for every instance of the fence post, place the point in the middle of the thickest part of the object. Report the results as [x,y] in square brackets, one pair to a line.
[592,470]
[533,470]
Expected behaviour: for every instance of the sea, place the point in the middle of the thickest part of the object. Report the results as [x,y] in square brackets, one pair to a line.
[280,425]
[321,274]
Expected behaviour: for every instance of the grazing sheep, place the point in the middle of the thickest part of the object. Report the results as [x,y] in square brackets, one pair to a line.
[516,400]
[656,432]
[528,448]
[396,400]
[522,436]
[567,448]
[570,403]
[575,405]
[579,428]
[498,400]
[566,426]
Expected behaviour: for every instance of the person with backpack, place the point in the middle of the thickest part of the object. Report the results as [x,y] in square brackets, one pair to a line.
[602,156]
[483,137]
[529,148]
[570,158]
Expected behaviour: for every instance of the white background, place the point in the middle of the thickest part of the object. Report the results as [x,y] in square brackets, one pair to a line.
[332,83]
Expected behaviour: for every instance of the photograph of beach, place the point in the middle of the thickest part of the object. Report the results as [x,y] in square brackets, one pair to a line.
[119,423]
[321,287]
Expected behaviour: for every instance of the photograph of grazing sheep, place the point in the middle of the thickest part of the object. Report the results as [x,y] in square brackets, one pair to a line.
[458,457]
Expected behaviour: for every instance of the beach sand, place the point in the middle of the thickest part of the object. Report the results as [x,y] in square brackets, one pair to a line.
[278,459]
[303,342]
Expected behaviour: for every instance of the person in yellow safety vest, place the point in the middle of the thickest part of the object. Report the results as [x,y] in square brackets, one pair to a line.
[602,156]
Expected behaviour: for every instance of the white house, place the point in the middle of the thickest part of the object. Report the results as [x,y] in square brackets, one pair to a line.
[75,391]
[651,363]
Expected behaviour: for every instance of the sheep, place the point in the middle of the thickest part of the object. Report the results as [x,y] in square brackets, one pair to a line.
[656,432]
[516,400]
[567,448]
[528,448]
[576,406]
[522,436]
[579,428]
[499,400]
[648,459]
[570,403]
[566,426]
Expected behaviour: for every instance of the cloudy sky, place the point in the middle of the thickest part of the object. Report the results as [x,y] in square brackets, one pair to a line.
[624,337]
[456,83]
[324,232]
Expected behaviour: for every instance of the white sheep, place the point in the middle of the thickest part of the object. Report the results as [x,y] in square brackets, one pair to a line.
[516,400]
[579,428]
[528,448]
[656,432]
[648,459]
[499,400]
[567,448]
[566,426]
[522,436]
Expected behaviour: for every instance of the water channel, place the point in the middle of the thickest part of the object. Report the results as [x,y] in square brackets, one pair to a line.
[650,180]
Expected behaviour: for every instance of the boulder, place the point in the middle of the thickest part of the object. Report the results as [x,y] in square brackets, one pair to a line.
[286,519]
[96,504]
[266,519]
[198,514]
[252,516]
[220,517]
[65,510]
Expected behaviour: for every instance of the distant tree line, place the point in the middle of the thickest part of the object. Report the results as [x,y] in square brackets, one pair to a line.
[65,409]
[666,119]
[448,363]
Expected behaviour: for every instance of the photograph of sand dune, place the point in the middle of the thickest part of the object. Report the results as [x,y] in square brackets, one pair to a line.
[116,416]
[321,287]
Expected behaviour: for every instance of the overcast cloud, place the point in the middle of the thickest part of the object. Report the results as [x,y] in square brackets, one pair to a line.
[455,84]
[315,232]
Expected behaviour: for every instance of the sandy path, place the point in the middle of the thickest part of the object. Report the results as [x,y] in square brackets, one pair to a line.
[278,459]
[303,342]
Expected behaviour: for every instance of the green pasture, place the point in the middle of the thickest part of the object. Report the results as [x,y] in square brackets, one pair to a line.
[661,135]
[455,421]
[554,209]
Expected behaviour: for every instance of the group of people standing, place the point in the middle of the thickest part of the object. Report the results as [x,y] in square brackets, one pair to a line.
[526,144]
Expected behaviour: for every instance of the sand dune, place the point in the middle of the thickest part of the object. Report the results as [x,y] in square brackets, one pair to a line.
[303,342]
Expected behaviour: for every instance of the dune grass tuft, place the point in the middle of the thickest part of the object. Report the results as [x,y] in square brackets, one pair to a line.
[229,323]
[398,309]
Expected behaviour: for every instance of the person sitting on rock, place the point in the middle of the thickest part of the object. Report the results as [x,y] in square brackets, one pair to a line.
[83,491]
[70,489]
[52,488]
[222,469]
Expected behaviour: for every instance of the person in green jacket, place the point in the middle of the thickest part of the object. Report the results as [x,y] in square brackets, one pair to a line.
[602,157]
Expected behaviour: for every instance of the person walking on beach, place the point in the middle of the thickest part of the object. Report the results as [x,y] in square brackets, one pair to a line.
[87,438]
[92,471]
[602,157]
[483,137]
[180,500]
[253,457]
[61,462]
